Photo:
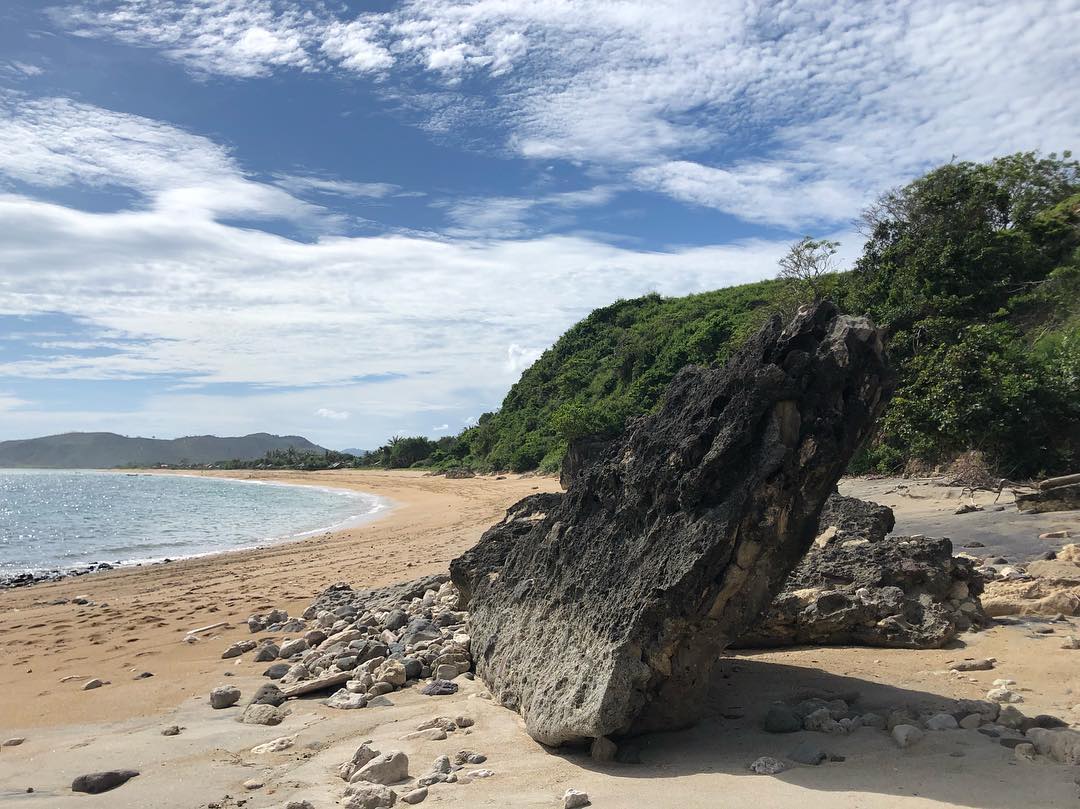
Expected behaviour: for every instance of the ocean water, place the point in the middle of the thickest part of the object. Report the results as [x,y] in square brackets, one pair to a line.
[53,520]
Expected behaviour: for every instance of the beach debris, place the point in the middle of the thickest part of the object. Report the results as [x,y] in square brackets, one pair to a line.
[574,799]
[856,585]
[97,782]
[224,696]
[720,489]
[767,765]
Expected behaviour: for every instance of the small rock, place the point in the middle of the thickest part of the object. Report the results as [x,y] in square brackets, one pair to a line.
[13,742]
[872,720]
[290,648]
[386,768]
[262,715]
[469,757]
[171,730]
[941,721]
[971,721]
[439,688]
[224,696]
[603,749]
[345,700]
[906,735]
[267,652]
[277,671]
[254,783]
[821,721]
[481,773]
[782,719]
[97,782]
[984,664]
[1024,751]
[144,675]
[238,649]
[808,753]
[446,671]
[1004,694]
[299,805]
[90,685]
[574,798]
[431,735]
[369,796]
[767,765]
[1071,642]
[464,721]
[268,694]
[276,746]
[416,796]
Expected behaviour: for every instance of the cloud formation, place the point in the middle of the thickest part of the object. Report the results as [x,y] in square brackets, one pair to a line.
[846,98]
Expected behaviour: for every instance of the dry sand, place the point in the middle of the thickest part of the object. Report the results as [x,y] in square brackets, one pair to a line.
[142,615]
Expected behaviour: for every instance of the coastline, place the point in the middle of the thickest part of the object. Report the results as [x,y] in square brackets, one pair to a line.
[140,615]
[380,508]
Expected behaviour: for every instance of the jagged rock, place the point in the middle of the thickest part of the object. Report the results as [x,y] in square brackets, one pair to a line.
[873,590]
[608,614]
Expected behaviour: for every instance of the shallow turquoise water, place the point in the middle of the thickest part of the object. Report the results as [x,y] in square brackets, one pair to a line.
[65,519]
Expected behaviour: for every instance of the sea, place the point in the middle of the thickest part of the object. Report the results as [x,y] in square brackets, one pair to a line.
[52,520]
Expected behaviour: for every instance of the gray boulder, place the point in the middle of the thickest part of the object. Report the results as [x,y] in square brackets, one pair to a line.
[97,782]
[608,614]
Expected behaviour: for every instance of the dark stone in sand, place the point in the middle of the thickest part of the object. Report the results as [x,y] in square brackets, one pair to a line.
[97,782]
[607,614]
[268,694]
[277,671]
[439,688]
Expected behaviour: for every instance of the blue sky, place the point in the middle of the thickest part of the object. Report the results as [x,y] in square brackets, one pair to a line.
[349,220]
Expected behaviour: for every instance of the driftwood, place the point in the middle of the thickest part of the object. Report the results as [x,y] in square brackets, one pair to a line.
[1063,480]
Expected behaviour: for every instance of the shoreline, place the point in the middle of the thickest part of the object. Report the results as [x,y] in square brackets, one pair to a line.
[139,616]
[381,507]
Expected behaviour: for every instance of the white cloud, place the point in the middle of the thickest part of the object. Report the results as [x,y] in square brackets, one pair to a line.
[518,358]
[298,184]
[334,415]
[21,69]
[782,113]
[514,217]
[9,402]
[441,428]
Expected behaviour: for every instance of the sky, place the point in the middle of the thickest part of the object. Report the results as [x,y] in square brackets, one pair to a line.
[352,220]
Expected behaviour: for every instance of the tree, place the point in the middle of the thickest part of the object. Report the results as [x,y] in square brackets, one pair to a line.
[805,267]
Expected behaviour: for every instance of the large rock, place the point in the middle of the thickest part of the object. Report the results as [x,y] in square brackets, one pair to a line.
[1058,498]
[607,615]
[857,586]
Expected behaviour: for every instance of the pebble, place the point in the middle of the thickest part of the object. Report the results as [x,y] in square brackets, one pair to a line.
[97,782]
[267,652]
[574,798]
[469,757]
[90,685]
[13,742]
[906,735]
[1004,694]
[430,735]
[146,675]
[415,796]
[224,696]
[171,730]
[277,671]
[971,721]
[238,649]
[254,783]
[464,721]
[345,700]
[292,648]
[985,664]
[481,773]
[767,765]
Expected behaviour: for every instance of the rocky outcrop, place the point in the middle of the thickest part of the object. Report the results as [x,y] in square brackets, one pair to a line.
[610,610]
[901,592]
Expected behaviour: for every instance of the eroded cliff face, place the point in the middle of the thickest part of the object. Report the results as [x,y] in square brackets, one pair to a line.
[612,602]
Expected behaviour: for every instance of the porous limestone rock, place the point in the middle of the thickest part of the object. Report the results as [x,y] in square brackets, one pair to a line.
[607,615]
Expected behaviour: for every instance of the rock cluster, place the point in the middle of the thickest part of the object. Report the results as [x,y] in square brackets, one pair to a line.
[605,614]
[858,586]
[360,644]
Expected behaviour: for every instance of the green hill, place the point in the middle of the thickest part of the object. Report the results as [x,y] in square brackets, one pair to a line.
[974,269]
[108,450]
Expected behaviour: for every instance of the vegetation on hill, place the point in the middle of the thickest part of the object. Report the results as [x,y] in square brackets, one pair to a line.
[974,269]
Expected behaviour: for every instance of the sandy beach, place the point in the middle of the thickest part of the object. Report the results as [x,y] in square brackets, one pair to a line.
[140,616]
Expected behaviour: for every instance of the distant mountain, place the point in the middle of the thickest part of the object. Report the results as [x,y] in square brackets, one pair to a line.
[107,450]
[359,453]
